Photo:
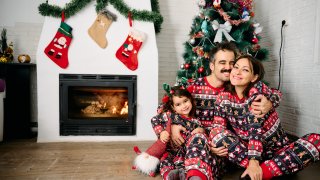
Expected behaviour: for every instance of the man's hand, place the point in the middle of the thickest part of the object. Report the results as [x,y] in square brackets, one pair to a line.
[261,106]
[176,136]
[197,130]
[253,170]
[164,136]
[220,151]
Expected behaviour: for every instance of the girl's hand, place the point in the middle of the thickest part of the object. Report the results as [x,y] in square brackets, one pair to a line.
[176,136]
[253,170]
[164,136]
[220,151]
[197,130]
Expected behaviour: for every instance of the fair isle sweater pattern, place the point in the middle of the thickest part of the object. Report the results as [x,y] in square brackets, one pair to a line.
[263,136]
[205,96]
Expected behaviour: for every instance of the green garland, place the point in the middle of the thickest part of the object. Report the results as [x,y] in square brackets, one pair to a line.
[76,5]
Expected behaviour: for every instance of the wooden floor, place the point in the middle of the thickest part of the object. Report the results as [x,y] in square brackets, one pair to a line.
[26,159]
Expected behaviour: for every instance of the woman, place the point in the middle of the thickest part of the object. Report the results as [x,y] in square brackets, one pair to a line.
[258,144]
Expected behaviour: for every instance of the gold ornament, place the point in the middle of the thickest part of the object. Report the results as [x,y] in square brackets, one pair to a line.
[24,58]
[3,59]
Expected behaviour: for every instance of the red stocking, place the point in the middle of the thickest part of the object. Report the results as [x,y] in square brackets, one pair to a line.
[57,50]
[128,52]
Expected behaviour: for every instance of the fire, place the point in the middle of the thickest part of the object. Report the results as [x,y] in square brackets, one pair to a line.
[124,110]
[114,110]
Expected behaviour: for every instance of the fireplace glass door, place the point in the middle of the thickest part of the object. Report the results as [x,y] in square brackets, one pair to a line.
[97,104]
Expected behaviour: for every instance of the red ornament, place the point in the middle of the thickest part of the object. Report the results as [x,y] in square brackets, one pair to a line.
[252,14]
[255,40]
[187,66]
[200,70]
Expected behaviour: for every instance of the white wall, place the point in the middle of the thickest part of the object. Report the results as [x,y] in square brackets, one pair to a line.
[300,107]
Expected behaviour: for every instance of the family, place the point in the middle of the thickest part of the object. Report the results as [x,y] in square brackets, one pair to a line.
[228,117]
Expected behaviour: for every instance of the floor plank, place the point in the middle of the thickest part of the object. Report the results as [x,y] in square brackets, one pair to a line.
[26,159]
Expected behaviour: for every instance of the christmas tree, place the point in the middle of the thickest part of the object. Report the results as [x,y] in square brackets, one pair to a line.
[217,21]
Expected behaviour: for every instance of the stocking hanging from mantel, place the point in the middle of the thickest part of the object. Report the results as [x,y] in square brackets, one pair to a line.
[58,48]
[128,51]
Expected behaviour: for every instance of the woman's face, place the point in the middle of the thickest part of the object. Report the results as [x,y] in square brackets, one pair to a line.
[242,73]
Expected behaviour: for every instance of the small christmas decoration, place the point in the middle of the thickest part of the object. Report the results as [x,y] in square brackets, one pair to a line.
[128,51]
[100,26]
[201,3]
[6,52]
[257,28]
[4,44]
[222,29]
[256,47]
[24,58]
[192,41]
[58,48]
[147,162]
[216,4]
[255,40]
[201,69]
[245,15]
[186,66]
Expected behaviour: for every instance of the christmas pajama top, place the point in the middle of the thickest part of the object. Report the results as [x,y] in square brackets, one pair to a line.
[263,136]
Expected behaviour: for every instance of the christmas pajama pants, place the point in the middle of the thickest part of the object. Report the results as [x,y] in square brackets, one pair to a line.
[288,160]
[193,157]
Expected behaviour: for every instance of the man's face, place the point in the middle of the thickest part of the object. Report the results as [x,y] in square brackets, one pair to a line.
[222,65]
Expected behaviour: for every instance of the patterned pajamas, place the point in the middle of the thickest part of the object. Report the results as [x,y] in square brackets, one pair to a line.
[193,155]
[260,138]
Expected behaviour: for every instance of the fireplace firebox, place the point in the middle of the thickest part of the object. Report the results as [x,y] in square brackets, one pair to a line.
[101,105]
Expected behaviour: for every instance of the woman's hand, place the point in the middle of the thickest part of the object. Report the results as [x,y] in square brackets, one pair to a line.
[176,136]
[253,170]
[164,136]
[220,151]
[197,130]
[261,106]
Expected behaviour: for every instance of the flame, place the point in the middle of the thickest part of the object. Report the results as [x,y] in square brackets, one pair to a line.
[114,110]
[124,110]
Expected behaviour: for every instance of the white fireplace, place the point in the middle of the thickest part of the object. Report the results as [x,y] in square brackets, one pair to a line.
[86,57]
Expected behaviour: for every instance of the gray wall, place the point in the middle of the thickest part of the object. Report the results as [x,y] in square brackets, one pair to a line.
[300,107]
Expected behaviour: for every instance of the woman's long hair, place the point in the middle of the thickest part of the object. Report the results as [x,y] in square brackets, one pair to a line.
[177,91]
[257,69]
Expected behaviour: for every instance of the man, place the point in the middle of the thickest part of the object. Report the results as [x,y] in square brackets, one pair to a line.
[205,90]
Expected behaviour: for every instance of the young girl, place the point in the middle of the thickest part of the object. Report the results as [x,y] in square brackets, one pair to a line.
[192,160]
[258,144]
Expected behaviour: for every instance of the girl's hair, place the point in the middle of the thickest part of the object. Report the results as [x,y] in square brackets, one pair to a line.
[179,92]
[257,69]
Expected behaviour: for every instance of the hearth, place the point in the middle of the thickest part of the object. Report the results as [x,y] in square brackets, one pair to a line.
[97,104]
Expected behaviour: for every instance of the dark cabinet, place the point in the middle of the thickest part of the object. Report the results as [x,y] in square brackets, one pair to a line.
[18,102]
